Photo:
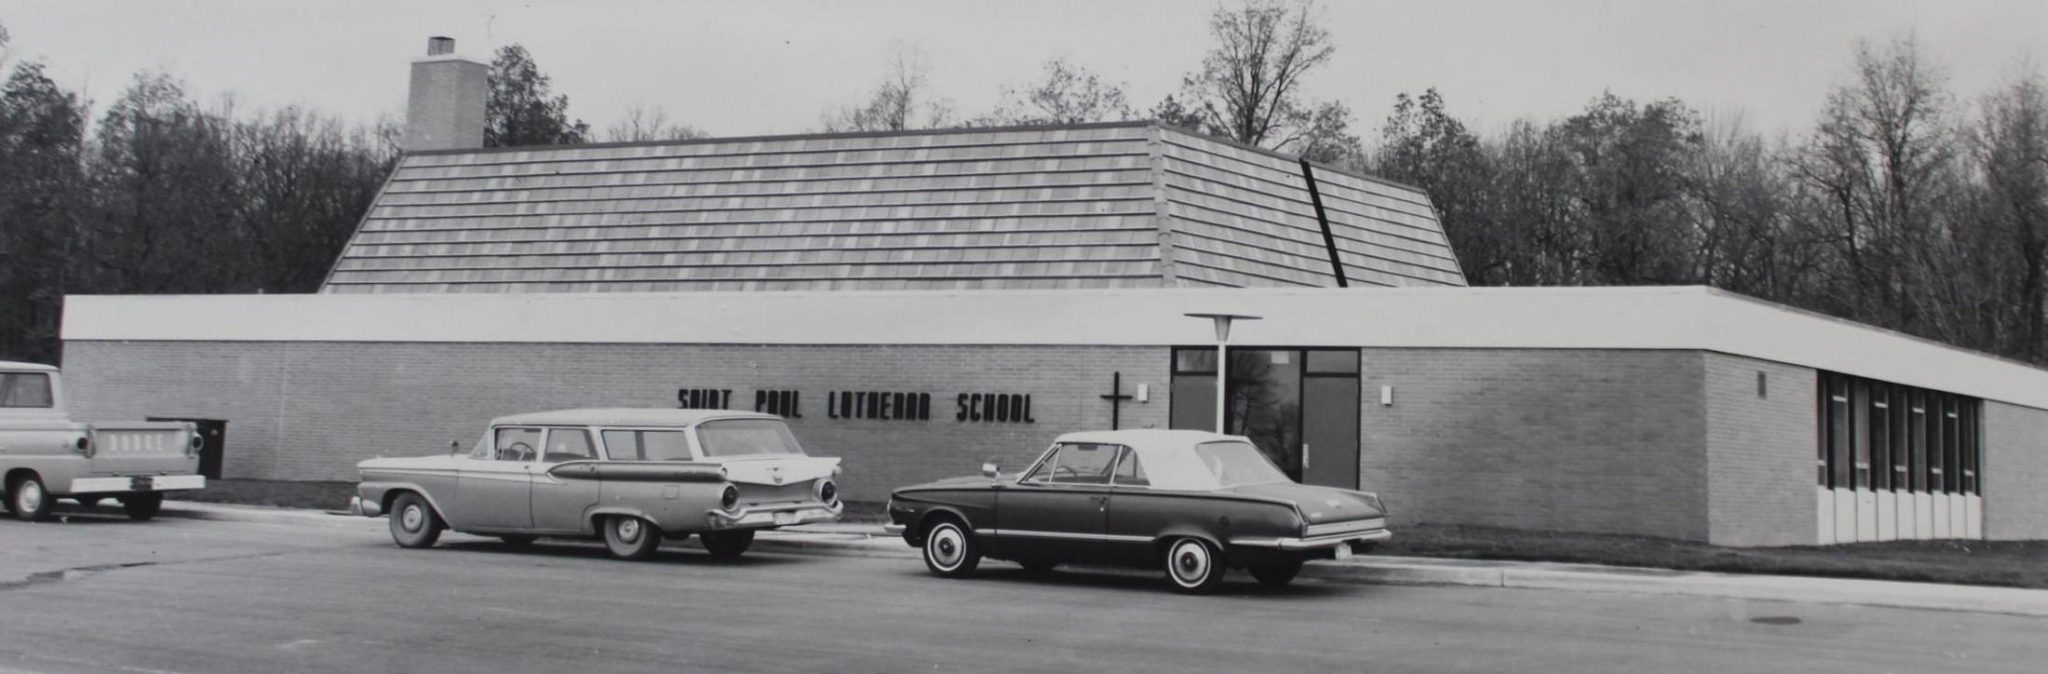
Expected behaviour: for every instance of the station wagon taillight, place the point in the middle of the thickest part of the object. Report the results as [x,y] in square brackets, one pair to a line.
[84,445]
[827,492]
[730,500]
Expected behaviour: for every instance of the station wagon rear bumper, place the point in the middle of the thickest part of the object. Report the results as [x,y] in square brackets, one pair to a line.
[775,516]
[1315,542]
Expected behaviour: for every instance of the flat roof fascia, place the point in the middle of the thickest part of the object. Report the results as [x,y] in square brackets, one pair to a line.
[1694,318]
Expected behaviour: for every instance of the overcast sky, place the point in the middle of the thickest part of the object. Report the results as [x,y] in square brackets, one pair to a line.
[736,68]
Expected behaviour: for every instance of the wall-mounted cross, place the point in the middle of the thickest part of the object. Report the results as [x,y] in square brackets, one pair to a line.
[1116,398]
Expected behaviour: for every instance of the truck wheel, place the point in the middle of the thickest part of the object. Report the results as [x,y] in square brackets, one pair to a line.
[28,499]
[1276,573]
[1193,566]
[143,507]
[950,551]
[628,537]
[413,522]
[727,544]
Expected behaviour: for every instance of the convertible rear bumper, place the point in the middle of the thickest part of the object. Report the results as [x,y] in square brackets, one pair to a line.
[1315,542]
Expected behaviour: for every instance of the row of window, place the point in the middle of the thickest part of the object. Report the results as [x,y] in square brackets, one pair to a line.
[823,256]
[993,238]
[414,180]
[582,213]
[1057,155]
[724,438]
[341,285]
[646,186]
[480,203]
[1888,437]
[822,271]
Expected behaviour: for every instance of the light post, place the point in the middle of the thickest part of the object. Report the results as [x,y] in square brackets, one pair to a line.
[1222,357]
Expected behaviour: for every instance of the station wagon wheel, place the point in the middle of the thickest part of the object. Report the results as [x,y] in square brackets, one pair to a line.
[1193,566]
[727,544]
[950,551]
[28,499]
[143,507]
[628,537]
[413,522]
[1275,573]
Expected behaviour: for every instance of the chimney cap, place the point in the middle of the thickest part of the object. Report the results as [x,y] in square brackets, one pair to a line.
[439,45]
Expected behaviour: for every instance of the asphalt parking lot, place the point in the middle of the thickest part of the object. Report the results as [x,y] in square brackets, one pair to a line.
[99,593]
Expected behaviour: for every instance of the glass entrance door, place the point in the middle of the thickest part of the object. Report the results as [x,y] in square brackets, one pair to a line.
[1300,406]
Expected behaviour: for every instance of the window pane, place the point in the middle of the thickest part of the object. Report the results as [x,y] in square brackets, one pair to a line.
[1838,433]
[568,444]
[1333,362]
[518,444]
[747,437]
[1859,440]
[25,390]
[1916,434]
[1130,472]
[1044,471]
[1878,431]
[1083,464]
[1951,445]
[1194,360]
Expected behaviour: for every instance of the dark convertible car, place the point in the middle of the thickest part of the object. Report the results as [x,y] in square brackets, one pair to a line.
[1193,502]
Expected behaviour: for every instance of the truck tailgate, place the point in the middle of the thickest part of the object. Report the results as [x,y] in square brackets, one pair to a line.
[143,449]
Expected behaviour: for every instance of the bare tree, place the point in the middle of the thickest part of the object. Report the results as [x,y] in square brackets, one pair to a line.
[2010,147]
[1249,86]
[1067,93]
[650,124]
[902,101]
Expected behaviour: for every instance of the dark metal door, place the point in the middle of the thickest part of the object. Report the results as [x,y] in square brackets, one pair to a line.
[1329,432]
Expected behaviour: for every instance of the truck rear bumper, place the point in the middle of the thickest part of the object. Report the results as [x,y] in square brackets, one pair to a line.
[138,483]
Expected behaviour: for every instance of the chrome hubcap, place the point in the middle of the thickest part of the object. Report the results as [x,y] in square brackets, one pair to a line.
[628,529]
[411,518]
[946,547]
[31,495]
[1190,563]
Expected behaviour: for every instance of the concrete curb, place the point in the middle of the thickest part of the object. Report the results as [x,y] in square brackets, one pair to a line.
[855,540]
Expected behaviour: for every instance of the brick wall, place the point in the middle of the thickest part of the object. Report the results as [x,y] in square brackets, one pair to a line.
[2015,472]
[310,411]
[1760,476]
[1581,440]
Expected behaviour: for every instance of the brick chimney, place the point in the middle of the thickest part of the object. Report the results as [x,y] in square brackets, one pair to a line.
[445,110]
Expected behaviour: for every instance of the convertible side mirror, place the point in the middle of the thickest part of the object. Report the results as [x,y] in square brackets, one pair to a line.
[988,470]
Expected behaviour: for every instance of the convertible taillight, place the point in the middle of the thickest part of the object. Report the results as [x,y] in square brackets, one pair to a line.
[730,500]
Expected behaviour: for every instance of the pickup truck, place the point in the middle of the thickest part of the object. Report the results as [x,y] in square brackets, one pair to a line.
[44,455]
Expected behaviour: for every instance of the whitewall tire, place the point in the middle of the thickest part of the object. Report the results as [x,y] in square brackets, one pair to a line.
[413,522]
[628,537]
[950,551]
[1194,566]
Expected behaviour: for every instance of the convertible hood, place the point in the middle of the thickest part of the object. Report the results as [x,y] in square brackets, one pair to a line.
[1318,504]
[780,470]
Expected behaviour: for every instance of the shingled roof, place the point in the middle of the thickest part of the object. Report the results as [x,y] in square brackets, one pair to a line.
[1100,205]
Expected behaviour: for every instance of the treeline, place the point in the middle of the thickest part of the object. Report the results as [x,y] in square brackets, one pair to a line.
[165,195]
[1905,206]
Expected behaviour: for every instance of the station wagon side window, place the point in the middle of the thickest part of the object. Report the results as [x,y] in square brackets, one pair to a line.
[568,444]
[1129,472]
[657,445]
[518,444]
[1076,463]
[25,389]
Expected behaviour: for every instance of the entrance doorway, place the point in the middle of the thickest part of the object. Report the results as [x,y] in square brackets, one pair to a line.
[1300,406]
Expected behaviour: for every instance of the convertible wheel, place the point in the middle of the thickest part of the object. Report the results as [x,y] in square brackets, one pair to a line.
[413,522]
[143,507]
[950,551]
[727,544]
[518,540]
[628,537]
[1276,573]
[28,499]
[1194,566]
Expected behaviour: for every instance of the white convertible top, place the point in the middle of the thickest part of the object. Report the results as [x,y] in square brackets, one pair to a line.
[1168,456]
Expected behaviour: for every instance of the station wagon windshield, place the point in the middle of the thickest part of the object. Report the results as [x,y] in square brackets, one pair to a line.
[747,437]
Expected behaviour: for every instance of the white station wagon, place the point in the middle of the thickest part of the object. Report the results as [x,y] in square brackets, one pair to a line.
[628,476]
